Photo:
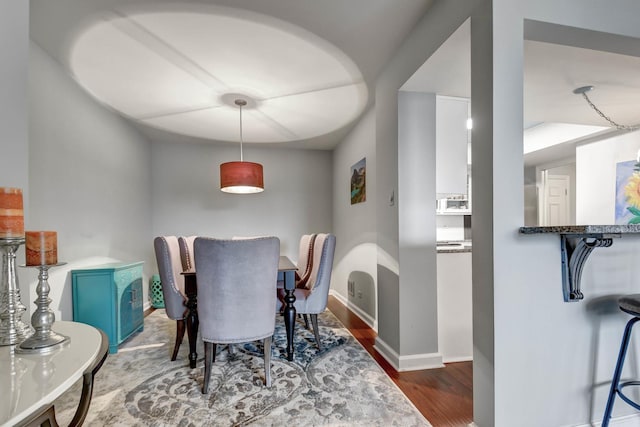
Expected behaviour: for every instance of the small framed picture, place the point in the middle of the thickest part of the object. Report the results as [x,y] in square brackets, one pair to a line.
[359,182]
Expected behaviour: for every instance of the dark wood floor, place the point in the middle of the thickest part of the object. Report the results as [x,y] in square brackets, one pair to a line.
[444,396]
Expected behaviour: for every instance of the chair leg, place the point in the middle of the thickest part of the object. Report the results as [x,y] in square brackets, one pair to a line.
[306,321]
[618,371]
[209,358]
[180,328]
[267,361]
[316,332]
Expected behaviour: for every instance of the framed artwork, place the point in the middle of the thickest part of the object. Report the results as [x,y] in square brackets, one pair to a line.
[359,182]
[628,193]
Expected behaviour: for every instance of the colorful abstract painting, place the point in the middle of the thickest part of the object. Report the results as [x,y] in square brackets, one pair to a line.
[628,192]
[358,182]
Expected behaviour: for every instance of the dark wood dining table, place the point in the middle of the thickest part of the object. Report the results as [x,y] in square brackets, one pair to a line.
[286,273]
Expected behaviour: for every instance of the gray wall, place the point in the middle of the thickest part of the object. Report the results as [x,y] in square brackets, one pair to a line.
[417,225]
[521,325]
[14,33]
[14,39]
[89,179]
[557,356]
[186,196]
[524,334]
[108,191]
[531,196]
[355,225]
[436,26]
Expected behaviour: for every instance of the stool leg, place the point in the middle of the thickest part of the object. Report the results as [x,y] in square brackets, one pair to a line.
[618,371]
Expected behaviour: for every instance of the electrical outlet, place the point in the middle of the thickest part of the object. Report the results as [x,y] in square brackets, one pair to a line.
[359,294]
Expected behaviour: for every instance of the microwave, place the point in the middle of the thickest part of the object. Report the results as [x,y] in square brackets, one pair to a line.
[452,204]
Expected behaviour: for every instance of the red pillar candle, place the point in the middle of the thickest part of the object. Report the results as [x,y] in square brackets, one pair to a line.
[41,247]
[11,213]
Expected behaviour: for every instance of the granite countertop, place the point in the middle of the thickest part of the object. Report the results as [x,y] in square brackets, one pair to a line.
[583,229]
[450,246]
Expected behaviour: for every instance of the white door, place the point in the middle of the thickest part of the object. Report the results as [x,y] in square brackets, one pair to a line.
[557,200]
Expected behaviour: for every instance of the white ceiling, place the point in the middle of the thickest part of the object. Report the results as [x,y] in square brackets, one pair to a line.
[181,72]
[551,72]
[357,37]
[308,68]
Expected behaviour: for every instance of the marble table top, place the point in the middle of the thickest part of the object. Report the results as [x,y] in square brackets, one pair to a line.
[31,381]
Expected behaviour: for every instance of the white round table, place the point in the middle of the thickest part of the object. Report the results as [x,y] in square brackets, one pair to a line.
[30,382]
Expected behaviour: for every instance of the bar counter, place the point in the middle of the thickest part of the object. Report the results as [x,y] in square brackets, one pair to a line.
[576,244]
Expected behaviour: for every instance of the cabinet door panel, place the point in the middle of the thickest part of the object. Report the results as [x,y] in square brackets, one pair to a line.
[93,302]
[125,319]
[136,303]
[451,145]
[110,298]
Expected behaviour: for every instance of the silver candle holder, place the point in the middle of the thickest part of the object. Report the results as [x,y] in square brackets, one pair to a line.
[12,329]
[44,339]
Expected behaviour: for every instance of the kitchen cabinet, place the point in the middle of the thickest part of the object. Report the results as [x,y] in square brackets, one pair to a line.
[452,138]
[455,306]
[109,297]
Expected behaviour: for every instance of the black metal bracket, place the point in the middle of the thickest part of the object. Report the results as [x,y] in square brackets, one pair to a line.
[575,249]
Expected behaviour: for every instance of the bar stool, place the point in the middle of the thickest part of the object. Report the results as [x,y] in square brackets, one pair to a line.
[629,304]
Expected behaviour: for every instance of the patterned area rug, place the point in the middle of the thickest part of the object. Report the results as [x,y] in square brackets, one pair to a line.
[338,386]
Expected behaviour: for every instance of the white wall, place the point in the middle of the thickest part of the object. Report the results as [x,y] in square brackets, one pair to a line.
[89,176]
[186,196]
[355,225]
[596,176]
[449,227]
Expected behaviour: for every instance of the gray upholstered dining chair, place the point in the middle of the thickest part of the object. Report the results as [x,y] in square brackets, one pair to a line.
[311,299]
[186,252]
[169,267]
[236,283]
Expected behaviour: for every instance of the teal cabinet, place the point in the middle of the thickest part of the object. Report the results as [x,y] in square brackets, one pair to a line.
[109,297]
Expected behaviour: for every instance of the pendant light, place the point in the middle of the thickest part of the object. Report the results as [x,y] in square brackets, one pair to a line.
[241,177]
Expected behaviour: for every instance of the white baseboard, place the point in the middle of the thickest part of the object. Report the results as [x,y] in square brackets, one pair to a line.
[632,420]
[626,421]
[365,317]
[457,359]
[411,362]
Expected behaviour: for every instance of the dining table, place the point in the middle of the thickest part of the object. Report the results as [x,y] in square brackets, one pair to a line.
[286,274]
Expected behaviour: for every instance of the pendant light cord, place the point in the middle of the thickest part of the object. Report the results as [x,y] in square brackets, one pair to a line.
[241,157]
[240,103]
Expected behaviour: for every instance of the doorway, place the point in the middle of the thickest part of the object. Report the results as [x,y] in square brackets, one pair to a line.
[556,195]
[556,209]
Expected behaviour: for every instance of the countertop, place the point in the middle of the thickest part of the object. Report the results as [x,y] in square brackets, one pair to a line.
[451,246]
[583,229]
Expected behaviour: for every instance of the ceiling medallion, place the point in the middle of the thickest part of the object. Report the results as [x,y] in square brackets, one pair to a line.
[180,71]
